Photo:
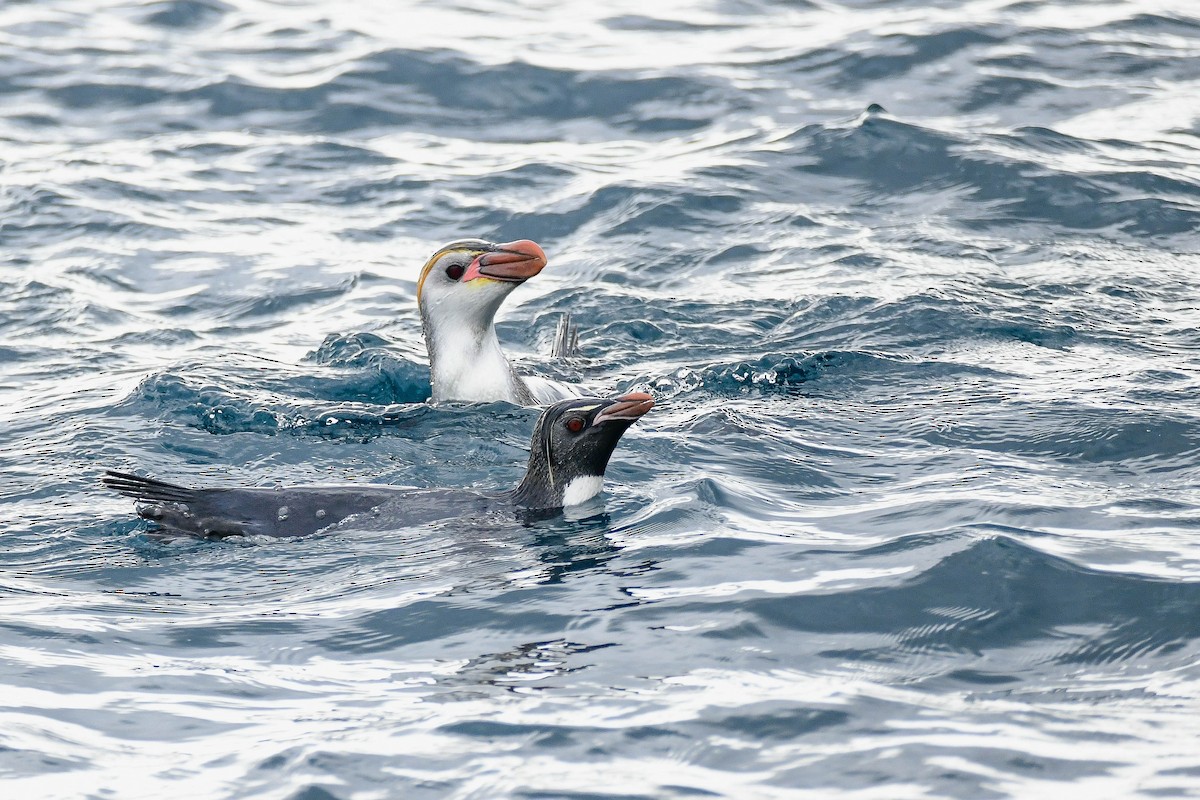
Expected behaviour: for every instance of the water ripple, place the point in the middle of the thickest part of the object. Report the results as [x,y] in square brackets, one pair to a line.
[913,287]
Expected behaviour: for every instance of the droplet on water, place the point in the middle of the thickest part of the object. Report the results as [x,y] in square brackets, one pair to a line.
[283,513]
[320,513]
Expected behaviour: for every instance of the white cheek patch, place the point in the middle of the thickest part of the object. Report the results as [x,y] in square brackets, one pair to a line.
[582,489]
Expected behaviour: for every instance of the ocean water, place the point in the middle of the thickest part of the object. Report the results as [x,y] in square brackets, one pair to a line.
[915,285]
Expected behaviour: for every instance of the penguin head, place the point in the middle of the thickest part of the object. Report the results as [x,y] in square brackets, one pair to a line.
[572,443]
[464,282]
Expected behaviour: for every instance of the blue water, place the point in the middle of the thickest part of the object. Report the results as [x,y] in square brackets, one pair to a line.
[914,284]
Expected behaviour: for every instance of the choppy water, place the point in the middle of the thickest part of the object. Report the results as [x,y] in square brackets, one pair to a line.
[917,513]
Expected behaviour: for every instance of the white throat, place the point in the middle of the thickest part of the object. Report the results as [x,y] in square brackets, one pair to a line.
[463,367]
[582,489]
[465,359]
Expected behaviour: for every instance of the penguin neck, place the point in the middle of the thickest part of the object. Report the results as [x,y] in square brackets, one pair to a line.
[541,494]
[537,490]
[466,363]
[544,487]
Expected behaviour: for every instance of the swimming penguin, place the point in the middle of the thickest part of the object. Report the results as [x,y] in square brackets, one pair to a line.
[460,289]
[572,442]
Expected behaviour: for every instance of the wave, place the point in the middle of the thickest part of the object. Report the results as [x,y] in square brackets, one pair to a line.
[985,598]
[916,507]
[356,393]
[434,91]
[995,180]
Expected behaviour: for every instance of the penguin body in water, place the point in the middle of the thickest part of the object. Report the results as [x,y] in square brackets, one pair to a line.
[569,452]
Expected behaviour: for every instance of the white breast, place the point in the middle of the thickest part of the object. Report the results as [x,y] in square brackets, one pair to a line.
[478,377]
[582,489]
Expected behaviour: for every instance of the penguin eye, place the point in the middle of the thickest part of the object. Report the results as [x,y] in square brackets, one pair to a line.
[575,424]
[455,271]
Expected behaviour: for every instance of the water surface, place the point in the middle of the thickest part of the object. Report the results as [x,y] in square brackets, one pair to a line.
[913,283]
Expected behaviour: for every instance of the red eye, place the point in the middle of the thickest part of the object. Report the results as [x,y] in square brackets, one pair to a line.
[574,424]
[455,271]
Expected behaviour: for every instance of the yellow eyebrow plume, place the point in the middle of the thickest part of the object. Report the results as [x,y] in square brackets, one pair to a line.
[433,260]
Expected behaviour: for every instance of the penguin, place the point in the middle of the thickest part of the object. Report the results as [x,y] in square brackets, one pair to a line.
[568,454]
[458,293]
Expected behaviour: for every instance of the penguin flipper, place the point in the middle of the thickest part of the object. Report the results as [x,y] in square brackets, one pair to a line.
[566,338]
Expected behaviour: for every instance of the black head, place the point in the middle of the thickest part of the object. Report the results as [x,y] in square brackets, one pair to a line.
[572,442]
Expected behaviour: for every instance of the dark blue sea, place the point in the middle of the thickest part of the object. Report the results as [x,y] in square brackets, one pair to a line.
[915,284]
